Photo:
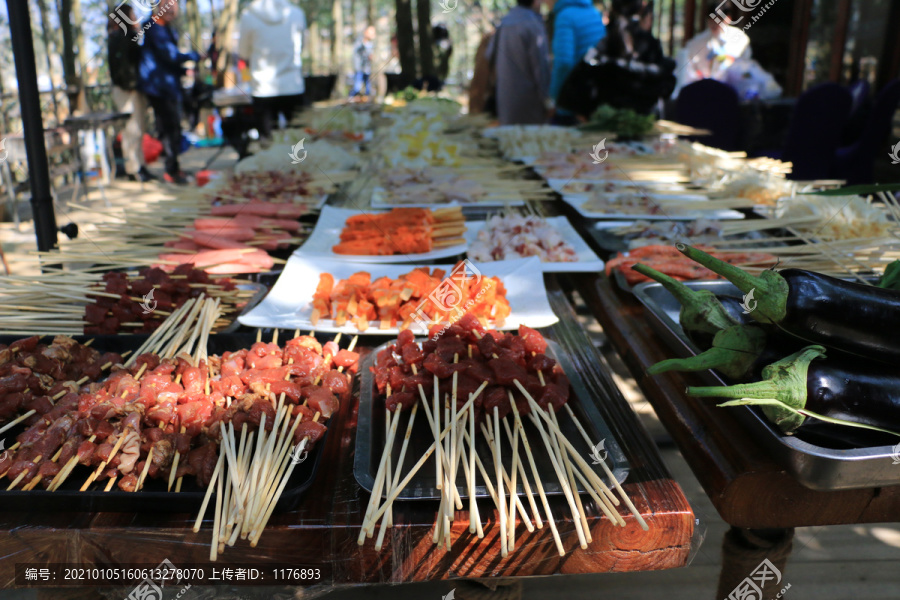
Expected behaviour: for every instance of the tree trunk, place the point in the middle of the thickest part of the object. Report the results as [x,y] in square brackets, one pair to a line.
[314,44]
[337,47]
[77,24]
[194,28]
[225,27]
[370,12]
[426,47]
[50,50]
[70,12]
[406,40]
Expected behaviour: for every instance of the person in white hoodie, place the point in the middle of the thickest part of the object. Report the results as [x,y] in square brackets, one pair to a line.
[271,41]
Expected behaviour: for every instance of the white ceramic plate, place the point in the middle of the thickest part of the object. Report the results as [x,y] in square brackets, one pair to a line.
[587,261]
[289,304]
[327,234]
[723,214]
[381,199]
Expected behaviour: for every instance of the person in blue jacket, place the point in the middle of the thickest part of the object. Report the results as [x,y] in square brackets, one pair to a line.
[577,27]
[159,71]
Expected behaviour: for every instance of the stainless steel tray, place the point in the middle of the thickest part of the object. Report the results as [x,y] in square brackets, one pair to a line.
[815,465]
[370,435]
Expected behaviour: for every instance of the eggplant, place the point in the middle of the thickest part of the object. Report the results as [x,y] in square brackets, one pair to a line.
[702,314]
[739,353]
[859,319]
[853,392]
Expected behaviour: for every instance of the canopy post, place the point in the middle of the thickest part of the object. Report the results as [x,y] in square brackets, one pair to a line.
[32,124]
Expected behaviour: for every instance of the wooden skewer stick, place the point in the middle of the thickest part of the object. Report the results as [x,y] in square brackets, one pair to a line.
[217,519]
[415,469]
[538,522]
[489,436]
[504,542]
[102,466]
[563,482]
[512,485]
[209,490]
[147,462]
[563,458]
[16,421]
[63,473]
[537,478]
[400,458]
[37,478]
[21,476]
[379,477]
[587,439]
[474,516]
[284,478]
[584,466]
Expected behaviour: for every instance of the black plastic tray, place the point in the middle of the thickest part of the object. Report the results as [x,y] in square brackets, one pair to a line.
[153,497]
[370,436]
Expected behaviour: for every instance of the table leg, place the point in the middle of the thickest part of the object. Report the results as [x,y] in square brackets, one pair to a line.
[743,552]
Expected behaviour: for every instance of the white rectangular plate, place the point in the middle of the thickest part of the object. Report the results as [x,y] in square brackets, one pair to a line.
[289,303]
[588,261]
[673,190]
[381,199]
[327,234]
[577,201]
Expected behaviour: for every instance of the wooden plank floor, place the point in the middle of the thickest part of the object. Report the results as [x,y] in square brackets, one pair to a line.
[827,563]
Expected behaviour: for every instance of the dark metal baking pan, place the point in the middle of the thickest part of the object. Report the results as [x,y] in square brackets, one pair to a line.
[818,458]
[153,497]
[370,436]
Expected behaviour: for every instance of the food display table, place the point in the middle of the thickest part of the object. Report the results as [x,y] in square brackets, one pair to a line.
[322,532]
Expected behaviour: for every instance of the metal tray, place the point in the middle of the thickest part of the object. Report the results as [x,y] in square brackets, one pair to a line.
[821,458]
[370,435]
[153,497]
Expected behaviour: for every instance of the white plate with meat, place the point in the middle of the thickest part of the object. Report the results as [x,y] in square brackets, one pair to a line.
[651,207]
[327,233]
[553,240]
[427,196]
[289,303]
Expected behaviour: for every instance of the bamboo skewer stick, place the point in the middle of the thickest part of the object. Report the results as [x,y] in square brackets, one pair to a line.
[585,467]
[400,458]
[537,478]
[504,542]
[538,521]
[424,458]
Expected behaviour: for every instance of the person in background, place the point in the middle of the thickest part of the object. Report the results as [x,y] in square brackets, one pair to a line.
[577,27]
[443,50]
[363,53]
[712,52]
[124,56]
[271,42]
[160,71]
[626,69]
[212,60]
[519,53]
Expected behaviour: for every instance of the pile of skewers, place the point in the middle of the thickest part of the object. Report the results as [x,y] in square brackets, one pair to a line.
[73,302]
[475,378]
[173,410]
[401,231]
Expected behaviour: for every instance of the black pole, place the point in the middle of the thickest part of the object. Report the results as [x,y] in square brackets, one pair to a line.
[32,124]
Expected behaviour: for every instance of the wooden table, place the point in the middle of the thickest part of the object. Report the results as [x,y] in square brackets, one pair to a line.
[323,531]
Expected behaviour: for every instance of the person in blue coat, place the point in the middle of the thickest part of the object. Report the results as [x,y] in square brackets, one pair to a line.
[159,72]
[577,27]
